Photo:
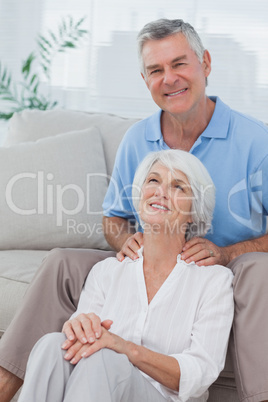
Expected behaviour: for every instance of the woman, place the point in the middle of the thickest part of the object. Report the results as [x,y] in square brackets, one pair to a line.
[169,320]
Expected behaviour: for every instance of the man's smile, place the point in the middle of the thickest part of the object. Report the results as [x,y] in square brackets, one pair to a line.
[176,93]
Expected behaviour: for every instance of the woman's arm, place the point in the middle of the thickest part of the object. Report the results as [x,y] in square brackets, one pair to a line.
[85,328]
[193,369]
[162,368]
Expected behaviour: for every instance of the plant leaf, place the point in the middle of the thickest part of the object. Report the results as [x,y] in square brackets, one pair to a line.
[6,116]
[27,64]
[45,41]
[25,94]
[69,44]
[53,36]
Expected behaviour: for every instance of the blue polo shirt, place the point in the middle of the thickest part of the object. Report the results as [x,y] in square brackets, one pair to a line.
[234,149]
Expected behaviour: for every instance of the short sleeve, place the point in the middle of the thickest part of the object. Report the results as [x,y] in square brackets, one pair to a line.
[259,183]
[118,199]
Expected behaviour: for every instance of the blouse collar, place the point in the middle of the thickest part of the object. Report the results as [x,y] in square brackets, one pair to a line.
[140,254]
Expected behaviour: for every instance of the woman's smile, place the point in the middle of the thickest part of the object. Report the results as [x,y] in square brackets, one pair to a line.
[158,206]
[166,197]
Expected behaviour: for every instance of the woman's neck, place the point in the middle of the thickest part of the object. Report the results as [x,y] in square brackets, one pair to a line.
[159,259]
[161,250]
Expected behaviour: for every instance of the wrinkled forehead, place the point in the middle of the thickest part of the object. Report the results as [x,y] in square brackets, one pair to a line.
[168,171]
[172,44]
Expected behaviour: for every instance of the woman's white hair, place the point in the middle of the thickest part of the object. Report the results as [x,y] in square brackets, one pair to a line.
[203,189]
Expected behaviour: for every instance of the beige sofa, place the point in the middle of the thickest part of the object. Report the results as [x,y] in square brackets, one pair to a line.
[55,168]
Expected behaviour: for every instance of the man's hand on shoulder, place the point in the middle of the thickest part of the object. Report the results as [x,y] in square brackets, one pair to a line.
[130,247]
[204,252]
[122,236]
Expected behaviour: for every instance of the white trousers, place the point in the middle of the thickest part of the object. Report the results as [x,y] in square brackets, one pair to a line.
[103,377]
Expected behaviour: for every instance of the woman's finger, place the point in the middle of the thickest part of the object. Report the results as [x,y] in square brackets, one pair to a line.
[81,326]
[67,344]
[68,331]
[73,350]
[95,327]
[107,324]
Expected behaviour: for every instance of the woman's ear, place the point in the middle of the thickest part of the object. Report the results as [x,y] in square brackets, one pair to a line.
[190,220]
[188,230]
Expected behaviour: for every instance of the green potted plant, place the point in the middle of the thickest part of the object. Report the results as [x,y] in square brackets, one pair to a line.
[27,94]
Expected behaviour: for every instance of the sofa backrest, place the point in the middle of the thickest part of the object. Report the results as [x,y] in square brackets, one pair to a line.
[31,125]
[53,173]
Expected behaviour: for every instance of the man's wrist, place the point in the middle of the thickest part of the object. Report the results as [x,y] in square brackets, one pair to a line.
[235,250]
[116,231]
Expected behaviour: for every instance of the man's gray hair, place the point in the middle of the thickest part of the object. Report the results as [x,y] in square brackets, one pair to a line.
[202,186]
[163,28]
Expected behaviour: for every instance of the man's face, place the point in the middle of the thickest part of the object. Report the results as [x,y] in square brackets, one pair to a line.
[174,75]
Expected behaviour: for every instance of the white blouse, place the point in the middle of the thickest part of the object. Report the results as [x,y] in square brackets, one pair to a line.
[189,318]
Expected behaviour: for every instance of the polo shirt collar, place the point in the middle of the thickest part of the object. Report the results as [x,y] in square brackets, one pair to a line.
[219,123]
[217,127]
[153,127]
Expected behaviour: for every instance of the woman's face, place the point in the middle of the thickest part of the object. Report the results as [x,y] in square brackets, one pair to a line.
[166,198]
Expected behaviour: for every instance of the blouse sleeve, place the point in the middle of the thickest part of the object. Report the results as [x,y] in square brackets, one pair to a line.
[92,296]
[202,362]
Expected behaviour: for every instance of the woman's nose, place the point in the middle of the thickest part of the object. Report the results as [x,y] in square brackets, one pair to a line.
[162,191]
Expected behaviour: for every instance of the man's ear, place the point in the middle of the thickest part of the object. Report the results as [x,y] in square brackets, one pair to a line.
[206,63]
[145,80]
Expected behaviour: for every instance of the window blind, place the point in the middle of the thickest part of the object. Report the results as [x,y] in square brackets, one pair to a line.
[103,75]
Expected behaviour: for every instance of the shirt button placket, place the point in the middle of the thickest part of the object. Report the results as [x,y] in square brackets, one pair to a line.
[141,324]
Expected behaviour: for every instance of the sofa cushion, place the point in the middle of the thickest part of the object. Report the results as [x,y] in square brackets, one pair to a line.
[52,192]
[17,269]
[30,125]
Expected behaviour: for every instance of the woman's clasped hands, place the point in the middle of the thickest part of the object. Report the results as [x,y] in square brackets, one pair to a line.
[85,334]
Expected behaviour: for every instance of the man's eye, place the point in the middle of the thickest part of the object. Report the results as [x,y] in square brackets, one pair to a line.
[152,181]
[154,72]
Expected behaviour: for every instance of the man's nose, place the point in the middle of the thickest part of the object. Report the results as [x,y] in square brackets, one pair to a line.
[170,76]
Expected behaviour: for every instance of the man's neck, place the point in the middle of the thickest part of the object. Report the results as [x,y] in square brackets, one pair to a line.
[181,131]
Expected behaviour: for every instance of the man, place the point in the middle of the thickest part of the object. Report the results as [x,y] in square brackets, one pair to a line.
[234,148]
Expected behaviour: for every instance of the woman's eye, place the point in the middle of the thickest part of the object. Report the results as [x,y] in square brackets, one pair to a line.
[180,187]
[152,180]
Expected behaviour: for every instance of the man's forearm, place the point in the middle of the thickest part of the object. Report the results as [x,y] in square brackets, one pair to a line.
[204,252]
[117,231]
[254,245]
